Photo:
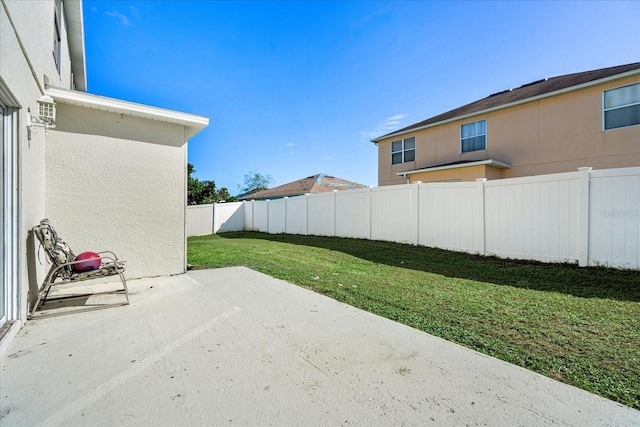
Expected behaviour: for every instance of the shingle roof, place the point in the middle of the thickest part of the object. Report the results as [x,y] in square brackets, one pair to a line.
[529,90]
[319,183]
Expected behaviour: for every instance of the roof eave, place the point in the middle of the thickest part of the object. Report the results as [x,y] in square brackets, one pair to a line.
[193,123]
[513,104]
[491,162]
[75,32]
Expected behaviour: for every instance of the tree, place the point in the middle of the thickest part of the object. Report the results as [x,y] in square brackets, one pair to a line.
[204,192]
[255,181]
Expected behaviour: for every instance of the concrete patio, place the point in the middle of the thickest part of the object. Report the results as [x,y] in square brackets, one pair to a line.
[233,346]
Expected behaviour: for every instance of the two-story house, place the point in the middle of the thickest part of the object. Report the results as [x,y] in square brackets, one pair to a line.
[552,125]
[108,173]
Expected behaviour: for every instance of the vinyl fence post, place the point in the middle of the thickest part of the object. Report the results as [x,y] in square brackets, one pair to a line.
[306,212]
[416,210]
[583,221]
[482,240]
[244,215]
[268,209]
[335,212]
[253,216]
[213,219]
[285,215]
[370,210]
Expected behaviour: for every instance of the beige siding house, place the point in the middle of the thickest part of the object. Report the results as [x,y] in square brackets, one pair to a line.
[553,125]
[108,173]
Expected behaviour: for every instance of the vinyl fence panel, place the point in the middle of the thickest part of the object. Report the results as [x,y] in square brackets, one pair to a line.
[277,216]
[199,220]
[228,217]
[248,215]
[297,215]
[533,217]
[614,221]
[321,214]
[394,213]
[451,216]
[353,213]
[261,216]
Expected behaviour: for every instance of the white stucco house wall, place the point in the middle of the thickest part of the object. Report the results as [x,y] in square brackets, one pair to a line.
[111,175]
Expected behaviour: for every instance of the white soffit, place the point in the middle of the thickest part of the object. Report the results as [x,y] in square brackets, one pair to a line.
[192,122]
[491,162]
[75,33]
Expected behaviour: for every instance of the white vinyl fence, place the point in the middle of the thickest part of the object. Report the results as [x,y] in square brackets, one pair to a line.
[592,217]
[217,218]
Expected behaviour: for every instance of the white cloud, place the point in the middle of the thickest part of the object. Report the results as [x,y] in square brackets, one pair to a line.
[388,125]
[291,144]
[134,12]
[124,19]
[391,123]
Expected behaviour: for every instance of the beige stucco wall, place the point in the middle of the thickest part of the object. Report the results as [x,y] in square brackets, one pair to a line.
[463,174]
[119,183]
[34,20]
[551,135]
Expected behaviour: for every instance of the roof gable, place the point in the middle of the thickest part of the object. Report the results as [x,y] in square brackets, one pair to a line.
[524,93]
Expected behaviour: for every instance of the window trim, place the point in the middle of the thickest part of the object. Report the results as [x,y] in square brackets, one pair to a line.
[403,150]
[486,131]
[604,109]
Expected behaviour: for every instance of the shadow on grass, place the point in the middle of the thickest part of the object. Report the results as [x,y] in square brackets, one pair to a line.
[584,282]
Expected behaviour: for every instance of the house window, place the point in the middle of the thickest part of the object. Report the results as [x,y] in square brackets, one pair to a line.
[473,136]
[403,150]
[622,107]
[57,45]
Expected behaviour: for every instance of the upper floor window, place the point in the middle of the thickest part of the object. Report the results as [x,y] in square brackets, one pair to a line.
[473,136]
[622,107]
[403,150]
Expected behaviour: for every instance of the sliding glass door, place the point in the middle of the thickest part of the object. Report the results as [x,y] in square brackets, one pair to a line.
[4,291]
[9,215]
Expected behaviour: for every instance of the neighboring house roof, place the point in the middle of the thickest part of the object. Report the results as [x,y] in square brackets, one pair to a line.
[75,33]
[526,93]
[319,183]
[193,123]
[246,194]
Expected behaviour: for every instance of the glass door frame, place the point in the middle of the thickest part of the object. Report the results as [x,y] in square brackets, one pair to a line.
[10,243]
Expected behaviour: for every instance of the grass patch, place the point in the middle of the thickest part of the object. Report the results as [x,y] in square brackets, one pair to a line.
[577,325]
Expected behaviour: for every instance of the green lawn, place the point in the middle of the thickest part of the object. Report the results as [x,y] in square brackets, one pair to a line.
[577,325]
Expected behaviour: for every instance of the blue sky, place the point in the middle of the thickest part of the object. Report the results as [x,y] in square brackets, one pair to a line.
[298,88]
